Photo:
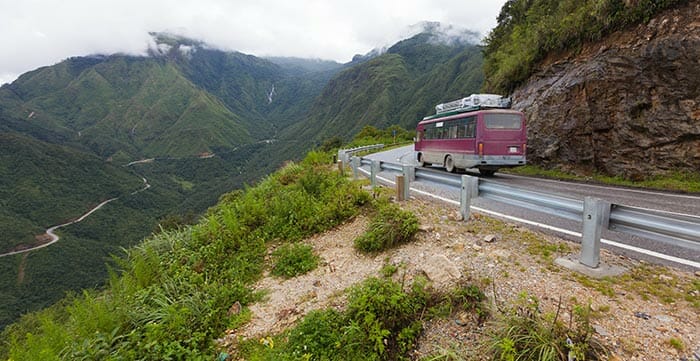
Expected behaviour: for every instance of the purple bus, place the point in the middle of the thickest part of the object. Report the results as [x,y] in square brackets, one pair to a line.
[479,131]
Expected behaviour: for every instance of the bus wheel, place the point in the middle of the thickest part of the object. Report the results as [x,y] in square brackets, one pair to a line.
[449,164]
[421,162]
[487,172]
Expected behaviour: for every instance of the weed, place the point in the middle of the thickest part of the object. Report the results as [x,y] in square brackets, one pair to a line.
[523,332]
[293,260]
[676,343]
[390,227]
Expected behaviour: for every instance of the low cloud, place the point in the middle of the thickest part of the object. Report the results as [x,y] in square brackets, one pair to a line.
[45,32]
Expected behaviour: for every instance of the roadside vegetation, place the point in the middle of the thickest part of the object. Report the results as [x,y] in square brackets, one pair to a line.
[674,181]
[529,30]
[170,297]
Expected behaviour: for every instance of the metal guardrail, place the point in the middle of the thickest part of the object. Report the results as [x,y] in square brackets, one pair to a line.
[344,154]
[595,214]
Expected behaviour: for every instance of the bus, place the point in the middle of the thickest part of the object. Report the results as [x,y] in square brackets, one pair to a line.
[477,132]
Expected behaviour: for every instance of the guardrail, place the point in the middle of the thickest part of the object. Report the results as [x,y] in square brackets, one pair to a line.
[595,214]
[344,154]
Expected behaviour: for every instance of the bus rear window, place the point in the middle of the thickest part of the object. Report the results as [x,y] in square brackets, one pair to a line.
[502,121]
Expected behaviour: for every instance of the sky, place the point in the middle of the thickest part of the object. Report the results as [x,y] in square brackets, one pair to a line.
[35,33]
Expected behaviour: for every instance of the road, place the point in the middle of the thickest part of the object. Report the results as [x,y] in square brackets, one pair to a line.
[54,237]
[635,247]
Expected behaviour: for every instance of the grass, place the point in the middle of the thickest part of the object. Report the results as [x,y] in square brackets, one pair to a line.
[291,260]
[648,282]
[390,227]
[523,332]
[671,181]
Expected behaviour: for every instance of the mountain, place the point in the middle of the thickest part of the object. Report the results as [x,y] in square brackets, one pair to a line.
[400,86]
[194,122]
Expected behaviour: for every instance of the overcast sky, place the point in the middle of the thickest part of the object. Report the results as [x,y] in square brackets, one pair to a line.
[35,33]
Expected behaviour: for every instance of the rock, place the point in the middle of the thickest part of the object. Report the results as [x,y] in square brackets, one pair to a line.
[697,273]
[235,309]
[440,270]
[425,228]
[601,331]
[630,110]
[456,216]
[642,315]
[490,238]
[664,318]
[665,278]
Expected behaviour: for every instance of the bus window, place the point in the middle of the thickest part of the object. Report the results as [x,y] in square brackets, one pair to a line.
[502,121]
[453,132]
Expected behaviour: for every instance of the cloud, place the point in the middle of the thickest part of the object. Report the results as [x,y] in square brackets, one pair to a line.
[43,32]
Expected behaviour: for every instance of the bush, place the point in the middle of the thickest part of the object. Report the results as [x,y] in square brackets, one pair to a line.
[390,227]
[524,333]
[294,260]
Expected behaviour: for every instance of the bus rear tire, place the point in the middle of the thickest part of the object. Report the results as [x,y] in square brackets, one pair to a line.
[421,162]
[449,164]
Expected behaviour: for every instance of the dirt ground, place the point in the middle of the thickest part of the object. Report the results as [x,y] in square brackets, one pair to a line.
[631,323]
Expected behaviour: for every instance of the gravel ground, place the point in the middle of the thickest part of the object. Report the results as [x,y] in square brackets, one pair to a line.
[632,324]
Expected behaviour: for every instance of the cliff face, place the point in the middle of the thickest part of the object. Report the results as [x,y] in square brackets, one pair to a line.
[628,105]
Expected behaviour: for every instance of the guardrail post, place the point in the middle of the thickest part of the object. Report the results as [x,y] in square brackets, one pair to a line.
[409,174]
[355,163]
[469,190]
[596,215]
[341,167]
[400,185]
[374,170]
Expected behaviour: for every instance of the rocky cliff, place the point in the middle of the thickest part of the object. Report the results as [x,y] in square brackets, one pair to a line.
[627,105]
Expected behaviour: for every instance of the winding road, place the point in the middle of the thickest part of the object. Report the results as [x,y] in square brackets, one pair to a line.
[54,237]
[620,243]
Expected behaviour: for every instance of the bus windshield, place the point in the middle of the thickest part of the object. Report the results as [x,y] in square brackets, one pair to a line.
[502,121]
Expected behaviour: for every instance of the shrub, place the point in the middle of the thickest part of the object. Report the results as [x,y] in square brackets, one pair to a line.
[293,260]
[523,332]
[390,227]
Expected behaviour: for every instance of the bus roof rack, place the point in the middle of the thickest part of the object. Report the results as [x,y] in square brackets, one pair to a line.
[474,102]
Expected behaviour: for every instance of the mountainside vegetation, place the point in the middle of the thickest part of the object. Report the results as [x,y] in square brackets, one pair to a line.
[398,87]
[528,30]
[168,298]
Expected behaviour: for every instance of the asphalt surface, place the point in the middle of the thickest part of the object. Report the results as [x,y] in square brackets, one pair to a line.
[620,243]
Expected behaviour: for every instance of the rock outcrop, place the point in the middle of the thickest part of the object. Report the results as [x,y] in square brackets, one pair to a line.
[627,105]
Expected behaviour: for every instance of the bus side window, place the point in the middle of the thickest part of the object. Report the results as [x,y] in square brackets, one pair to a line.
[470,129]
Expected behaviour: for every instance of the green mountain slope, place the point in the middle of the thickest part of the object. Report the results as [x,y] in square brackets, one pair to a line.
[400,86]
[41,186]
[125,106]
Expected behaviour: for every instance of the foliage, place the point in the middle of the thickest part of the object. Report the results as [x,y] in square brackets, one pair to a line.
[293,260]
[382,321]
[676,181]
[523,332]
[528,30]
[169,297]
[393,134]
[390,227]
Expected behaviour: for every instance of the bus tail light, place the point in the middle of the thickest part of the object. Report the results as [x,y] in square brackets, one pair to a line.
[481,149]
[524,148]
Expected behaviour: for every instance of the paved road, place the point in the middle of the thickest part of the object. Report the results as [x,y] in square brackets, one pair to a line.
[54,237]
[665,201]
